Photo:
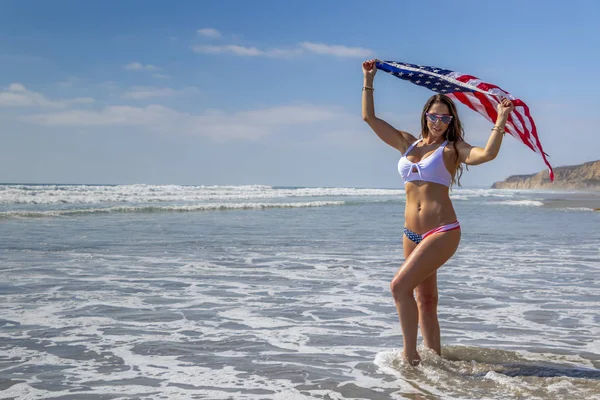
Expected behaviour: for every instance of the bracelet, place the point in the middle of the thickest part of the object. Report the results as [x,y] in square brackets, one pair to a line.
[501,130]
[367,88]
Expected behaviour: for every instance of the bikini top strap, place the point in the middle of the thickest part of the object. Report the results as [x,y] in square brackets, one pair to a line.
[411,147]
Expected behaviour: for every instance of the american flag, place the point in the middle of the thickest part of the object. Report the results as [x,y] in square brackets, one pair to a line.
[479,96]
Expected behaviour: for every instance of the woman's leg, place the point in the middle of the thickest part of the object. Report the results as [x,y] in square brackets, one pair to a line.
[422,262]
[427,302]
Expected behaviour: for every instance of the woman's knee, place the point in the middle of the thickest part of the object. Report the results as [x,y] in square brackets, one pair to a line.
[427,302]
[399,288]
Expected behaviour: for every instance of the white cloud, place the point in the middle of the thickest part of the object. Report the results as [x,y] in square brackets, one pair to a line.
[146,92]
[17,87]
[318,48]
[17,95]
[213,123]
[247,51]
[232,49]
[136,66]
[109,116]
[284,115]
[336,50]
[209,32]
[77,100]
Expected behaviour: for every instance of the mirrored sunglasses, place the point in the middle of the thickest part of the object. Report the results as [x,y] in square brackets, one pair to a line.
[435,117]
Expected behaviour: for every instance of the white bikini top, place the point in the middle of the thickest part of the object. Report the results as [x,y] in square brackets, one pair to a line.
[429,169]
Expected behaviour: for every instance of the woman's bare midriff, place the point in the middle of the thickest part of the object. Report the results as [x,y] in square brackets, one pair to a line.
[428,206]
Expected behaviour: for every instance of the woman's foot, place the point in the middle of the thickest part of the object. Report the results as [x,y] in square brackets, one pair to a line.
[413,359]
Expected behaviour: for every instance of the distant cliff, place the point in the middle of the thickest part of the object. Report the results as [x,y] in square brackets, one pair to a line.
[583,176]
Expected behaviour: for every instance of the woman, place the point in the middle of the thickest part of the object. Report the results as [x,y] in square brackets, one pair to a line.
[432,232]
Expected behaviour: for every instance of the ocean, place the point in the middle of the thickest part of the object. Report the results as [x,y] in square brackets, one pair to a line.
[259,292]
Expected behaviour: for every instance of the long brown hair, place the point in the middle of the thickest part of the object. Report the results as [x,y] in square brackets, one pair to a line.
[453,134]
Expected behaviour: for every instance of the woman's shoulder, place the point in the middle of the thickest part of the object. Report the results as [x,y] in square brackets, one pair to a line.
[455,148]
[457,144]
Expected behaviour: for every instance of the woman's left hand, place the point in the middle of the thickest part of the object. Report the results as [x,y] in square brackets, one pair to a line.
[504,108]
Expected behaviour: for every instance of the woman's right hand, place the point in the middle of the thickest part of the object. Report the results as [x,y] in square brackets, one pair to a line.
[369,68]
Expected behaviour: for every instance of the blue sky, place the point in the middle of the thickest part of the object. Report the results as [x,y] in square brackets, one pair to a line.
[268,92]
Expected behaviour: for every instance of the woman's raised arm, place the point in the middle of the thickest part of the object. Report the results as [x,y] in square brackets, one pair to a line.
[399,140]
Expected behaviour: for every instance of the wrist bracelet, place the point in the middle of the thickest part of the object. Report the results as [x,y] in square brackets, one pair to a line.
[367,88]
[501,130]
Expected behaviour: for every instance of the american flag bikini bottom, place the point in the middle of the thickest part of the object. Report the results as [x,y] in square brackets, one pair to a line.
[417,238]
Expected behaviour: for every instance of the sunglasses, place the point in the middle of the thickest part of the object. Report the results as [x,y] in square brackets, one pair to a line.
[435,117]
